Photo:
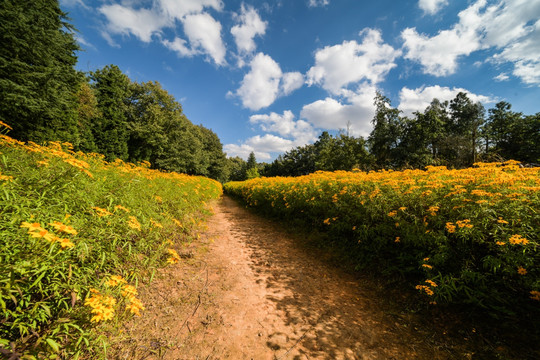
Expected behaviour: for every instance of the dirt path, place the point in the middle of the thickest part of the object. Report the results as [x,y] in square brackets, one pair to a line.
[247,291]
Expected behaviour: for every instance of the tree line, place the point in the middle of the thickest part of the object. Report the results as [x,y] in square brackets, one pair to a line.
[456,134]
[43,97]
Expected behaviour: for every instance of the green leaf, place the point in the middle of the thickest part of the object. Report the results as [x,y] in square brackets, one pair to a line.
[53,344]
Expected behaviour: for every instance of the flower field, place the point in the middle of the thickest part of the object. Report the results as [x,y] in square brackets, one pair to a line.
[466,236]
[77,236]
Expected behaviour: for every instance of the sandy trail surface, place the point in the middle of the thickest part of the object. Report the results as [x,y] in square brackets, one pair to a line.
[247,290]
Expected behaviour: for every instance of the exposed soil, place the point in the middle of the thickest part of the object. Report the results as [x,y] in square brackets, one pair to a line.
[247,290]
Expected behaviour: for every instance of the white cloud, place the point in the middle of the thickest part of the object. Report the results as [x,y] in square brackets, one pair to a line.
[505,25]
[179,9]
[317,3]
[243,151]
[291,81]
[292,133]
[180,46]
[200,28]
[340,65]
[432,6]
[332,114]
[439,54]
[260,86]
[501,77]
[204,34]
[261,146]
[73,3]
[525,55]
[300,131]
[82,41]
[250,25]
[265,82]
[143,23]
[411,100]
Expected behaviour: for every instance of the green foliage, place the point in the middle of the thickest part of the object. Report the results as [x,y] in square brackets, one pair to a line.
[236,168]
[252,173]
[69,223]
[110,130]
[38,81]
[328,153]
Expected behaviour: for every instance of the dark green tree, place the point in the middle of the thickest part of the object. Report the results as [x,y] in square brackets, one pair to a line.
[423,138]
[38,81]
[87,113]
[237,168]
[467,119]
[386,135]
[216,159]
[252,170]
[112,90]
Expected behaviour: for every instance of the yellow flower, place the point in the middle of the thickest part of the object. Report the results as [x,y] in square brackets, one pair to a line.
[464,223]
[425,288]
[450,227]
[115,280]
[501,221]
[431,283]
[397,239]
[500,243]
[65,243]
[32,226]
[101,212]
[120,207]
[427,266]
[43,234]
[134,223]
[521,271]
[535,295]
[63,228]
[518,240]
[392,213]
[155,224]
[174,258]
[128,291]
[135,306]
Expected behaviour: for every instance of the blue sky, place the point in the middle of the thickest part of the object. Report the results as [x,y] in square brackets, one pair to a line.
[268,76]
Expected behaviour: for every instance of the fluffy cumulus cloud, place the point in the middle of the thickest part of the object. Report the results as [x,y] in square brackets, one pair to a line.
[290,133]
[432,7]
[511,27]
[525,55]
[355,111]
[142,23]
[265,82]
[299,131]
[261,146]
[439,54]
[249,25]
[339,65]
[411,100]
[203,32]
